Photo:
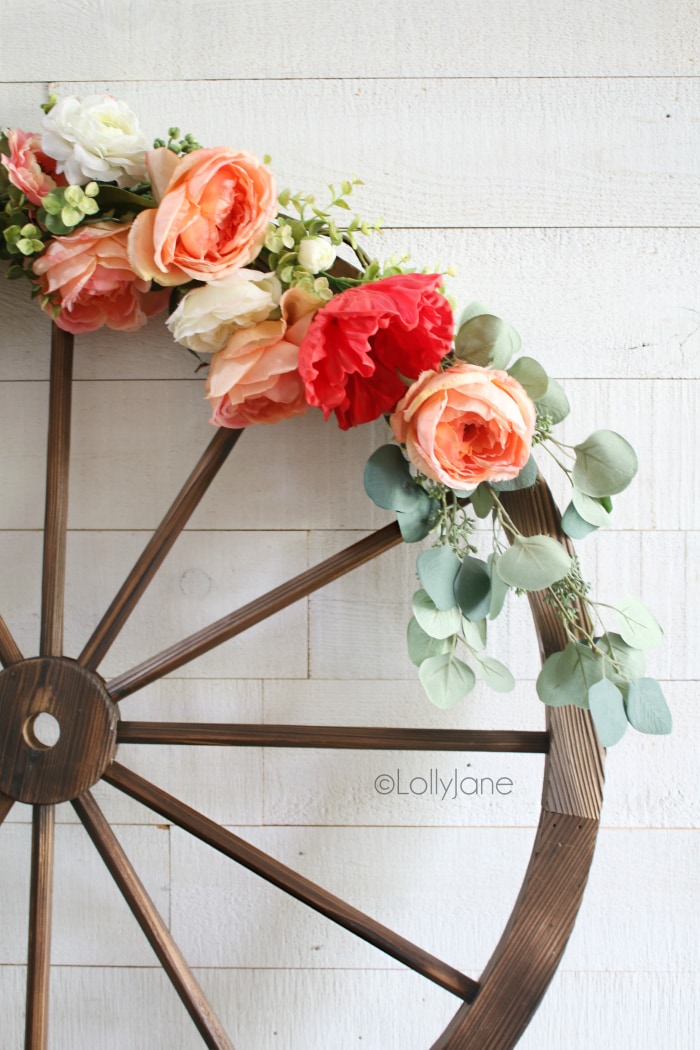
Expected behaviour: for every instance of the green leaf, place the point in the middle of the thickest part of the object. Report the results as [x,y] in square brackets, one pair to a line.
[437,571]
[474,633]
[438,623]
[482,501]
[388,481]
[114,197]
[605,464]
[494,673]
[637,625]
[574,525]
[647,709]
[608,711]
[472,588]
[533,562]
[525,479]
[419,522]
[630,660]
[421,645]
[531,376]
[486,340]
[567,676]
[499,588]
[590,509]
[554,402]
[446,679]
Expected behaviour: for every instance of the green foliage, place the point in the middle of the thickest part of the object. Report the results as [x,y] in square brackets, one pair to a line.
[420,520]
[446,679]
[554,404]
[437,571]
[438,623]
[482,500]
[605,464]
[499,588]
[531,376]
[567,676]
[637,625]
[533,562]
[622,661]
[388,481]
[484,339]
[494,673]
[474,634]
[525,479]
[592,510]
[647,709]
[608,711]
[574,525]
[421,645]
[472,588]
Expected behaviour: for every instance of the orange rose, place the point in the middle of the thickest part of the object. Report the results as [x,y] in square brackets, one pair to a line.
[466,425]
[255,378]
[214,207]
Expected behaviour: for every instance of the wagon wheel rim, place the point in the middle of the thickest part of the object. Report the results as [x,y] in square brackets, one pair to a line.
[496,1008]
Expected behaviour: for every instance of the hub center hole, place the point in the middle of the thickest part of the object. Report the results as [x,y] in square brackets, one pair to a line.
[42,731]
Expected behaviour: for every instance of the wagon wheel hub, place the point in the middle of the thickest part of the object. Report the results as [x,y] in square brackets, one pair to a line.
[58,730]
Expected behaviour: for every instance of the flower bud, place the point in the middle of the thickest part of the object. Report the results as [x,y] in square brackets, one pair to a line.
[316,254]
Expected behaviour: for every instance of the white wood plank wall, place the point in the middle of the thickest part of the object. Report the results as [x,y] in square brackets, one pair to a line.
[550,151]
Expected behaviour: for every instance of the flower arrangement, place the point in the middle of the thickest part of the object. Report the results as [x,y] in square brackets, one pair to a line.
[110,232]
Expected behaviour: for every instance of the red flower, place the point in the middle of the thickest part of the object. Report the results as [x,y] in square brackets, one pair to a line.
[361,344]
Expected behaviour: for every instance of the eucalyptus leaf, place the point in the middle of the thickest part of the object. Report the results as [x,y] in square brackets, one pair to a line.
[605,464]
[607,709]
[533,562]
[647,709]
[567,676]
[474,633]
[499,588]
[482,501]
[589,508]
[419,522]
[421,645]
[531,376]
[637,625]
[437,571]
[486,340]
[629,659]
[525,479]
[472,588]
[494,673]
[438,623]
[554,402]
[388,481]
[574,525]
[446,679]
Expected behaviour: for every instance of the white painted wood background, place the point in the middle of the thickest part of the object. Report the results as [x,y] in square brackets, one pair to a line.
[550,151]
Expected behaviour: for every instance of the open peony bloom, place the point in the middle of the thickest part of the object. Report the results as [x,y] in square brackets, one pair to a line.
[207,317]
[254,379]
[466,425]
[28,167]
[366,339]
[212,216]
[97,137]
[87,274]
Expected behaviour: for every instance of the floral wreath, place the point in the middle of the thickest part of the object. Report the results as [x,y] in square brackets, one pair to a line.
[111,233]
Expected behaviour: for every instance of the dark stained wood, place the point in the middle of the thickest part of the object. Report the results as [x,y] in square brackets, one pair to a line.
[9,651]
[39,949]
[152,924]
[6,805]
[248,615]
[290,881]
[56,509]
[158,547]
[367,738]
[87,718]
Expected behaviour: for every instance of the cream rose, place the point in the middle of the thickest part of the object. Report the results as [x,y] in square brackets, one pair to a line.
[316,254]
[97,137]
[466,425]
[207,317]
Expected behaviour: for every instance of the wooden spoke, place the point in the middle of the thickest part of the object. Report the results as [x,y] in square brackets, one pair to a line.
[56,512]
[158,547]
[40,905]
[259,609]
[367,738]
[152,924]
[6,805]
[9,651]
[291,882]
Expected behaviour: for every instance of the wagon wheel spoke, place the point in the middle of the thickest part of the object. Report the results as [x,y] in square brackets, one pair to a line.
[384,738]
[6,805]
[158,547]
[291,882]
[248,615]
[9,650]
[39,950]
[151,922]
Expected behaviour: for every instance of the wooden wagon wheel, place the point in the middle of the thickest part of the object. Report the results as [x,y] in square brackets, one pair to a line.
[495,1009]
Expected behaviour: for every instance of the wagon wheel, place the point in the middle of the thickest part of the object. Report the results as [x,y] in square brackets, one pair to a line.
[494,1010]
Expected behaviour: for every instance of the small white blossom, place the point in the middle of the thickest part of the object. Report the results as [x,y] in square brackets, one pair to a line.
[316,254]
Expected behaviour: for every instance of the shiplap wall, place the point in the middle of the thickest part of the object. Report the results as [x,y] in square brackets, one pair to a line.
[550,151]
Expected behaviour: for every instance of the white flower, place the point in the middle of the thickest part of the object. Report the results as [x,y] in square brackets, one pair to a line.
[97,137]
[316,254]
[206,317]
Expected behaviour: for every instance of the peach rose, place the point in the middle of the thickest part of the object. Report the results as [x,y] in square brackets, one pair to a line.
[255,378]
[28,167]
[212,216]
[87,273]
[466,425]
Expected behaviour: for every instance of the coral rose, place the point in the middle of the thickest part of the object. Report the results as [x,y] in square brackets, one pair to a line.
[254,379]
[212,216]
[87,274]
[367,338]
[466,425]
[28,167]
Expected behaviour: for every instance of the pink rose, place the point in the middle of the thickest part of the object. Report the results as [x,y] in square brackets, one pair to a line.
[87,274]
[214,208]
[29,168]
[466,425]
[254,379]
